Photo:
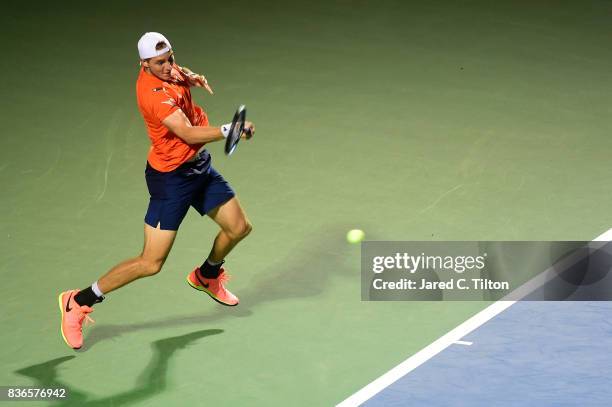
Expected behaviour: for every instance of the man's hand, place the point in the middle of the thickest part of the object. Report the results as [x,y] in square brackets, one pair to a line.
[248,131]
[196,80]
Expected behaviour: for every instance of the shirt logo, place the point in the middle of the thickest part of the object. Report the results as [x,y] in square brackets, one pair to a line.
[170,102]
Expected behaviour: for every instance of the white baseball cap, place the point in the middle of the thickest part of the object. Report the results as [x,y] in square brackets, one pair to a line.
[148,42]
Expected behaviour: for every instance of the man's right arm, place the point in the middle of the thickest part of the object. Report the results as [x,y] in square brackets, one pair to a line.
[180,125]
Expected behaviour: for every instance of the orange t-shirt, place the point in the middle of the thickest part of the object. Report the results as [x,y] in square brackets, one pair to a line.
[158,99]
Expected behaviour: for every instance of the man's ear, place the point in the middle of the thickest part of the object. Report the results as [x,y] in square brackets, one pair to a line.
[145,63]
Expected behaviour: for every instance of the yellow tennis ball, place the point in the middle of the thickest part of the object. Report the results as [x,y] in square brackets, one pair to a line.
[355,236]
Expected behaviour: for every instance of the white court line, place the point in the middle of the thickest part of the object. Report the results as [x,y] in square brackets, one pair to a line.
[435,347]
[604,237]
[466,343]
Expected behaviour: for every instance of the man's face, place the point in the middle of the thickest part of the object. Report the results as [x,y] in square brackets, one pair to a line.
[160,66]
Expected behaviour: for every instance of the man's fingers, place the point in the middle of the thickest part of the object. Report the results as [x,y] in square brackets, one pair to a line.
[196,79]
[249,131]
[206,85]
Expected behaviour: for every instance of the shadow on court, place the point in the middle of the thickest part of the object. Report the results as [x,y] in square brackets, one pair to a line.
[305,272]
[151,381]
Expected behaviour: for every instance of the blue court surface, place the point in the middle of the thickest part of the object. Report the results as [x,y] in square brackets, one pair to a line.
[532,354]
[518,353]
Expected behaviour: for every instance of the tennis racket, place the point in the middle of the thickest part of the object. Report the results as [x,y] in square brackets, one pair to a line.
[236,130]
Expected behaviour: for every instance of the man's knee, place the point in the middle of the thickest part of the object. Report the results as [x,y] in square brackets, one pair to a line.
[240,230]
[248,228]
[151,267]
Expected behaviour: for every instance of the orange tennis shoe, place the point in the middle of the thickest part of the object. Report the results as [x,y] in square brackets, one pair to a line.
[73,316]
[215,287]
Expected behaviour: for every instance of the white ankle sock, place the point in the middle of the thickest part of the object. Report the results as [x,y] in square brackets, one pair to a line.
[96,290]
[213,264]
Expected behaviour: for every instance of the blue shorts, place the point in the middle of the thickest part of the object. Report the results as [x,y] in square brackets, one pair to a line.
[195,184]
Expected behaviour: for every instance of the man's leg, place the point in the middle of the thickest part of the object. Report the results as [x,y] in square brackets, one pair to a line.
[210,277]
[157,245]
[235,226]
[75,305]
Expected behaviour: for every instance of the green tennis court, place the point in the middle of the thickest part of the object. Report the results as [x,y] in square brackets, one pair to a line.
[439,120]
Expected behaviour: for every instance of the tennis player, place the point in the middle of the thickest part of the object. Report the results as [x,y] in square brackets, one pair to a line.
[179,174]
